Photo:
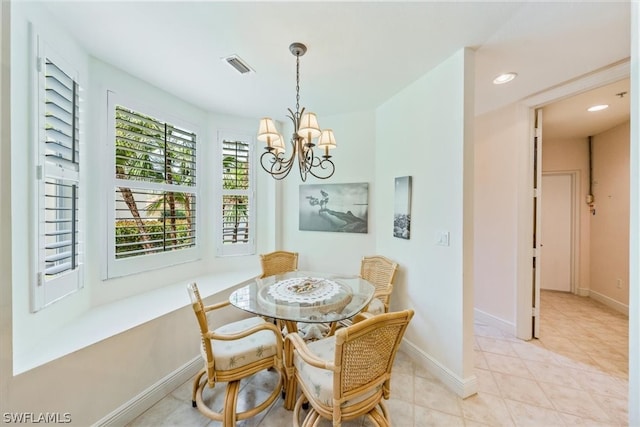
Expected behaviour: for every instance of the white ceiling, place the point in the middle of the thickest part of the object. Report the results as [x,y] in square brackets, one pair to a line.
[569,118]
[359,53]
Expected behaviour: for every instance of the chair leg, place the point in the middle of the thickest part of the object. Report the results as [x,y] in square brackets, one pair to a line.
[383,408]
[290,380]
[377,418]
[230,402]
[313,419]
[332,329]
[291,386]
[196,384]
[203,408]
[229,415]
[296,410]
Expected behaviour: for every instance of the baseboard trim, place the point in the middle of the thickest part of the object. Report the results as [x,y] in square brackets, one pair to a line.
[582,292]
[462,387]
[496,322]
[149,397]
[609,302]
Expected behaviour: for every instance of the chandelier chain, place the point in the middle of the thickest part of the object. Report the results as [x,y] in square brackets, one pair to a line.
[297,84]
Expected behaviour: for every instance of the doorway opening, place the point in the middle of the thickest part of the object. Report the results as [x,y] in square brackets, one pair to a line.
[582,217]
[578,221]
[529,267]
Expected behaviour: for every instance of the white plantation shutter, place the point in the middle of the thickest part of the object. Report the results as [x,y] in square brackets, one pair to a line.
[59,244]
[153,190]
[148,150]
[236,210]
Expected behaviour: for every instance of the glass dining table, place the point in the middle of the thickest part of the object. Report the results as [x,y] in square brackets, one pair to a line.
[305,297]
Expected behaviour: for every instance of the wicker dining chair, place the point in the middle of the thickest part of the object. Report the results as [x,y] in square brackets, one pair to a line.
[381,272]
[347,375]
[278,262]
[231,353]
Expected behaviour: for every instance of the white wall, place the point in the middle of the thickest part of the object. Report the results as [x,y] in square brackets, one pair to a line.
[610,224]
[354,158]
[573,155]
[496,205]
[424,131]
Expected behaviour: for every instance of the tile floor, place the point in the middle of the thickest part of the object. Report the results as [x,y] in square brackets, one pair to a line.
[575,374]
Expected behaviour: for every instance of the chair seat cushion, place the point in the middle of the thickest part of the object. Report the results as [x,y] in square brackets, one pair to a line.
[320,381]
[240,352]
[375,306]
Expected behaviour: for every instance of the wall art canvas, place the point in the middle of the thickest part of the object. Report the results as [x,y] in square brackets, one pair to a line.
[402,208]
[334,207]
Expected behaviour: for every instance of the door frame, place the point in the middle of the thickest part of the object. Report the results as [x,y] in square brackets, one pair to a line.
[526,122]
[574,255]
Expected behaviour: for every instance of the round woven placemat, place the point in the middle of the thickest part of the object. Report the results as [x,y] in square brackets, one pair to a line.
[304,289]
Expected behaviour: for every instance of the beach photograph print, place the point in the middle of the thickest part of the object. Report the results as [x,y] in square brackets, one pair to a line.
[402,208]
[342,208]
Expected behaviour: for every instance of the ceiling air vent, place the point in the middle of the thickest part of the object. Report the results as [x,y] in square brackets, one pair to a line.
[238,64]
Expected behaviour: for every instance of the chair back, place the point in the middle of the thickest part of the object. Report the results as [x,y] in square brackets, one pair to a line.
[198,307]
[365,352]
[201,315]
[381,272]
[278,262]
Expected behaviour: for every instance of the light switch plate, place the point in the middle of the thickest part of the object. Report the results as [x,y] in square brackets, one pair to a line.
[442,238]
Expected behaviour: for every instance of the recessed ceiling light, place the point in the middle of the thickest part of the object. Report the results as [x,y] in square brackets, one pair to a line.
[597,107]
[504,78]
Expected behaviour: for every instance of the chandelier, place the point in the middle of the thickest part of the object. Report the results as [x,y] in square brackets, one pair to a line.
[275,159]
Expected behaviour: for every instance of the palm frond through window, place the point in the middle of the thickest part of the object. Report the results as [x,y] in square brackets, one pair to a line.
[235,199]
[155,171]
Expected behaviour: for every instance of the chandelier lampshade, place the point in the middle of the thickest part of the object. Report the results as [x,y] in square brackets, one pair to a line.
[267,131]
[327,140]
[306,131]
[309,126]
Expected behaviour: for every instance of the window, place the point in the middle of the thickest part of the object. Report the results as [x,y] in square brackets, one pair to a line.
[58,187]
[237,211]
[153,222]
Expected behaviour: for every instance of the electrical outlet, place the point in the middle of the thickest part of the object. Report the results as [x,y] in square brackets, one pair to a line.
[619,283]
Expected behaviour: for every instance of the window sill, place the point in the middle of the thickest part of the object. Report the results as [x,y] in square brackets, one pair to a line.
[114,318]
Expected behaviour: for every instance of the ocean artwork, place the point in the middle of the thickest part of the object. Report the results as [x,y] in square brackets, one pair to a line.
[342,208]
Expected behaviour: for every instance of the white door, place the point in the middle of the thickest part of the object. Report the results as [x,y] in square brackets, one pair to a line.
[557,226]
